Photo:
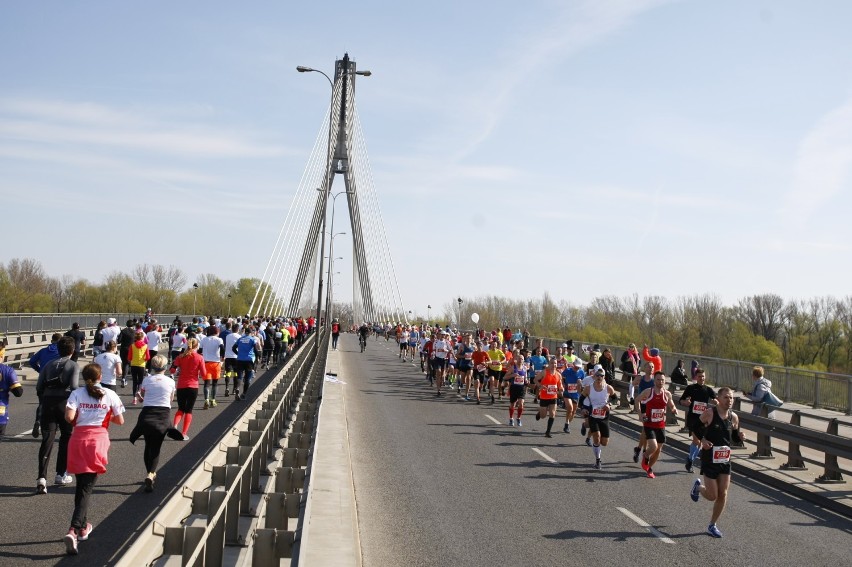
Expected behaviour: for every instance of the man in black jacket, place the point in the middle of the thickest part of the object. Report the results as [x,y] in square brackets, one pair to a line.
[126,338]
[56,380]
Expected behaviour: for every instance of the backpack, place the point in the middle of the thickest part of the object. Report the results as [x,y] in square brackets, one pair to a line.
[55,382]
[771,400]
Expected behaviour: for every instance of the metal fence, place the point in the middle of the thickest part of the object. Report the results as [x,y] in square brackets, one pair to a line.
[11,323]
[808,387]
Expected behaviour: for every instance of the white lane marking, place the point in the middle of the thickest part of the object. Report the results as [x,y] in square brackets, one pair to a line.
[24,434]
[645,525]
[545,456]
[492,418]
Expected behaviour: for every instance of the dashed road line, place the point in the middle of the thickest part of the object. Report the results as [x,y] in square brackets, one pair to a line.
[24,434]
[544,455]
[492,418]
[645,525]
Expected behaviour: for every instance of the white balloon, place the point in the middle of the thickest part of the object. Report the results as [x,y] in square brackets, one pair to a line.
[475,317]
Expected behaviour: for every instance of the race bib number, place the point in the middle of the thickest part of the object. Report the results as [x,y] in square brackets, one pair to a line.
[468,356]
[658,415]
[699,407]
[599,413]
[519,380]
[721,455]
[480,367]
[572,388]
[551,389]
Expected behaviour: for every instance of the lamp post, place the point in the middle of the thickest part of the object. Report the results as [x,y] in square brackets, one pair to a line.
[460,304]
[331,250]
[429,314]
[229,305]
[327,179]
[194,299]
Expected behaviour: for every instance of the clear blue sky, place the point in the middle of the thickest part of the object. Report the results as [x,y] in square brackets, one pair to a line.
[599,147]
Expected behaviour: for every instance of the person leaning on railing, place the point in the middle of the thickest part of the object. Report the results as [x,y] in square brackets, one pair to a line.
[760,385]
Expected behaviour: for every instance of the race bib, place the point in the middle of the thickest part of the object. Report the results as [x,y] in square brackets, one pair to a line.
[658,415]
[699,407]
[519,380]
[468,356]
[599,413]
[480,367]
[572,388]
[551,389]
[721,454]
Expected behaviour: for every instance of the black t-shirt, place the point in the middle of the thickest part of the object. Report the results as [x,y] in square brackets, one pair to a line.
[78,336]
[127,337]
[698,393]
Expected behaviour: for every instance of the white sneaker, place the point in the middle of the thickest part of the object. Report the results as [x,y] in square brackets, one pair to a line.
[41,486]
[63,479]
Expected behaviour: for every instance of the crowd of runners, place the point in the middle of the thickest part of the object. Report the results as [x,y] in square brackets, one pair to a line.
[489,367]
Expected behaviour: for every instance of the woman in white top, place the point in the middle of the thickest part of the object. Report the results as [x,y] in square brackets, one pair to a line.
[110,364]
[91,409]
[178,342]
[157,392]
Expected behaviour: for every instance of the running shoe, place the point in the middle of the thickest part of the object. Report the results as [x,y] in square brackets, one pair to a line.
[149,482]
[41,486]
[714,531]
[583,429]
[71,542]
[651,474]
[636,451]
[213,403]
[467,398]
[511,422]
[83,533]
[36,429]
[538,417]
[689,464]
[597,464]
[63,479]
[206,404]
[547,434]
[226,392]
[185,437]
[566,429]
[519,422]
[589,441]
[695,492]
[478,402]
[645,464]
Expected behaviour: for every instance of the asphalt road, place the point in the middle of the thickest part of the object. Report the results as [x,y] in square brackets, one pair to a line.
[441,481]
[33,525]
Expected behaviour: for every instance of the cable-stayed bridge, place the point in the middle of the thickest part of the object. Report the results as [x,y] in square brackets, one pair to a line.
[296,267]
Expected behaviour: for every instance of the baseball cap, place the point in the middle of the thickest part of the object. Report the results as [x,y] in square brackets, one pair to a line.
[111,321]
[578,362]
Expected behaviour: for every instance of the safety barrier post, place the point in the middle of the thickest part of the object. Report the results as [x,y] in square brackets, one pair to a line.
[794,454]
[817,397]
[764,441]
[832,470]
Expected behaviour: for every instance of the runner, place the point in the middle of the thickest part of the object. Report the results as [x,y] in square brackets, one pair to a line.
[696,398]
[480,364]
[518,381]
[440,353]
[496,358]
[213,351]
[598,395]
[721,423]
[550,387]
[413,342]
[190,367]
[656,401]
[572,380]
[643,383]
[231,357]
[402,339]
[465,364]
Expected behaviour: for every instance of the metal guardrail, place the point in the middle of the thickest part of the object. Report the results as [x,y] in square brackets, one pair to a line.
[809,387]
[11,323]
[214,523]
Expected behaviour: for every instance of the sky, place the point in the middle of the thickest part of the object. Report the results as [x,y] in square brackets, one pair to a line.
[588,148]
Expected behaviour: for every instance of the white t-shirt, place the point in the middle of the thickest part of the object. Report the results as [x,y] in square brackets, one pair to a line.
[110,334]
[210,345]
[230,340]
[179,342]
[154,338]
[107,362]
[157,390]
[92,412]
[441,348]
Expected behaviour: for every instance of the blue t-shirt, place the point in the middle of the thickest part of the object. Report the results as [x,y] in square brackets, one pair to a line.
[538,363]
[572,381]
[245,348]
[8,380]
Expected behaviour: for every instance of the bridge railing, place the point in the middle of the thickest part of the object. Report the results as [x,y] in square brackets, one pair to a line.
[14,323]
[809,387]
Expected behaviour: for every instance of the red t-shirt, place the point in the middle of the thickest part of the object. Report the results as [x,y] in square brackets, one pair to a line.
[191,368]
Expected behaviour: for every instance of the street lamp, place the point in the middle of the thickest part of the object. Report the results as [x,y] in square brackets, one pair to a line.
[409,316]
[327,179]
[229,305]
[194,298]
[429,314]
[460,303]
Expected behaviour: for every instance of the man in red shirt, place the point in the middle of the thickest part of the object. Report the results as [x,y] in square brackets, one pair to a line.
[656,401]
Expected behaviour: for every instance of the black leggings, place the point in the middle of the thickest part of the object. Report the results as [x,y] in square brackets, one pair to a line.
[153,424]
[186,399]
[85,485]
[138,374]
